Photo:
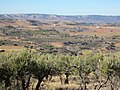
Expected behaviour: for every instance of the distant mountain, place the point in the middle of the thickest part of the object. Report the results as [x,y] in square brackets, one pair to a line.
[77,18]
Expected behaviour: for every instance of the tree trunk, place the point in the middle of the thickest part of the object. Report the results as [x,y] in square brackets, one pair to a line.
[17,83]
[67,80]
[23,84]
[7,82]
[28,82]
[39,83]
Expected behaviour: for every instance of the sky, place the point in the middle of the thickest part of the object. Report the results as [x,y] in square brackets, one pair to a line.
[61,7]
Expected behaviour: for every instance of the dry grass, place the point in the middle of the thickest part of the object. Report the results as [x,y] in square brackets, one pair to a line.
[57,44]
[103,31]
[11,48]
[57,84]
[117,44]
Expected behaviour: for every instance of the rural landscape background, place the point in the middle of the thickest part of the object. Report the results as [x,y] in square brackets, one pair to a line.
[76,46]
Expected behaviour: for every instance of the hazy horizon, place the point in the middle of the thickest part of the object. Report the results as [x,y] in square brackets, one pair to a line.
[61,7]
[57,14]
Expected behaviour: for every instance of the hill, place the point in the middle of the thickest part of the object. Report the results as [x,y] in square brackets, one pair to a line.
[77,18]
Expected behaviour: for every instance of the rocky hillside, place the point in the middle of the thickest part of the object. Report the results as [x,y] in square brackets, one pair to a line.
[78,18]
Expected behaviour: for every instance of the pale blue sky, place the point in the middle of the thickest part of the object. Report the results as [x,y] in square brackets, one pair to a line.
[61,7]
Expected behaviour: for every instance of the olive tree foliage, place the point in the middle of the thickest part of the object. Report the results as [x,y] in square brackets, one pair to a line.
[100,71]
[88,65]
[64,63]
[18,69]
[43,66]
[110,69]
[14,70]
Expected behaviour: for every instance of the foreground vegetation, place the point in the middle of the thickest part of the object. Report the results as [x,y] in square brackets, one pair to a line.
[28,70]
